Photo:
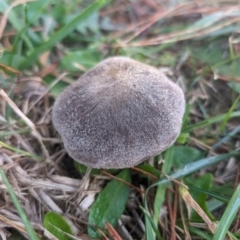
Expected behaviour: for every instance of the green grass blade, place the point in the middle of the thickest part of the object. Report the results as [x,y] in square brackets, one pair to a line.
[209,121]
[151,226]
[226,61]
[30,230]
[149,230]
[160,194]
[226,138]
[224,122]
[63,32]
[188,169]
[22,33]
[233,237]
[12,17]
[195,166]
[19,151]
[14,132]
[211,194]
[214,204]
[228,216]
[200,233]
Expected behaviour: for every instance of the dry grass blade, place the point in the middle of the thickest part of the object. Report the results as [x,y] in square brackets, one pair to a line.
[48,89]
[193,204]
[185,227]
[156,18]
[128,184]
[226,12]
[178,36]
[49,235]
[9,69]
[5,16]
[29,123]
[19,151]
[147,22]
[113,232]
[145,172]
[17,225]
[173,213]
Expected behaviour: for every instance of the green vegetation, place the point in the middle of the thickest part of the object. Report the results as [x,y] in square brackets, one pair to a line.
[191,191]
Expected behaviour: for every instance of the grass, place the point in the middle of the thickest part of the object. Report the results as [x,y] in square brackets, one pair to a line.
[18,206]
[194,194]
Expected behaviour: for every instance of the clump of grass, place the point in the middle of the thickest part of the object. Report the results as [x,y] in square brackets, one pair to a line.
[190,191]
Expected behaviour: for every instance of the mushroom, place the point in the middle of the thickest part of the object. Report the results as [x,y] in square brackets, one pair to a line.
[118,114]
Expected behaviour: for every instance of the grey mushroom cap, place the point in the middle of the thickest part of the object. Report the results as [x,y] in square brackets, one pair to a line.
[118,114]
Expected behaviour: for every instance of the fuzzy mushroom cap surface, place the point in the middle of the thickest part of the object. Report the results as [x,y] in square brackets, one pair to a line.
[119,114]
